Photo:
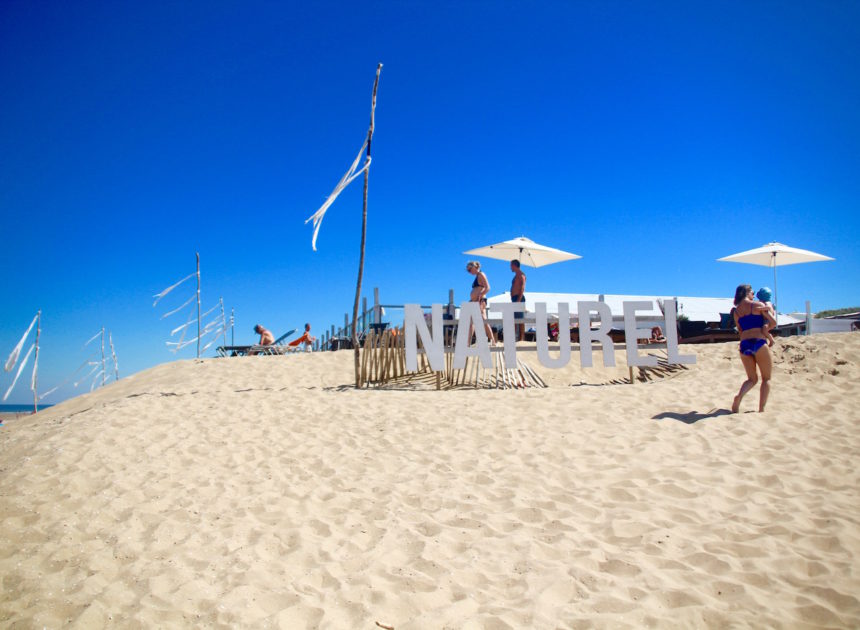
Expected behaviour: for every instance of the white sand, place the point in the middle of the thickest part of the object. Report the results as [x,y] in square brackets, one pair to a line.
[264,492]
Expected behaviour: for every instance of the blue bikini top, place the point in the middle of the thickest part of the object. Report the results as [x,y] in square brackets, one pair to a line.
[748,322]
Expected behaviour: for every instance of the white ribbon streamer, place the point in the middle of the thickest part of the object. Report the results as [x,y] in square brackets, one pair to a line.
[89,374]
[214,339]
[345,181]
[209,311]
[93,338]
[20,369]
[95,379]
[69,377]
[13,357]
[158,296]
[179,308]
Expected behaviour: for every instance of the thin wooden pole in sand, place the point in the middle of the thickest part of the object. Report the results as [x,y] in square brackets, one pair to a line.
[113,356]
[35,382]
[223,319]
[198,304]
[357,350]
[104,365]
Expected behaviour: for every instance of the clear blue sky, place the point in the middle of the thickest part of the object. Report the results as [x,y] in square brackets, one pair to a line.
[650,138]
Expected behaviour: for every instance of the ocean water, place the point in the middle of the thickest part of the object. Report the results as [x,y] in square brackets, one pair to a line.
[20,408]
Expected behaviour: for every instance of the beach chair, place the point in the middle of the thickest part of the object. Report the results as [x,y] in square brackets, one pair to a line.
[296,344]
[277,347]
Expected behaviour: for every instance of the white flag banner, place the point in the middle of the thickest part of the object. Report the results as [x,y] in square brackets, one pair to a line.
[20,369]
[95,365]
[68,378]
[93,338]
[35,370]
[214,339]
[180,344]
[209,311]
[13,357]
[213,322]
[345,181]
[158,296]
[179,308]
[95,379]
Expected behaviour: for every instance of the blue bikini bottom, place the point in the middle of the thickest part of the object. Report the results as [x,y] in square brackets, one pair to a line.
[750,346]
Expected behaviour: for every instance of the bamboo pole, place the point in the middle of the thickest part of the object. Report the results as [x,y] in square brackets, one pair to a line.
[198,305]
[35,382]
[223,319]
[364,356]
[363,230]
[104,366]
[113,356]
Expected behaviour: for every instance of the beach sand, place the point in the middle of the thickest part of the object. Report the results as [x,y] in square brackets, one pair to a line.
[266,492]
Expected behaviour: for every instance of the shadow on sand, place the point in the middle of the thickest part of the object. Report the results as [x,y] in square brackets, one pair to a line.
[693,416]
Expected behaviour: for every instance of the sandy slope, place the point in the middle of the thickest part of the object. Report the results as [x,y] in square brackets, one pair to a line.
[264,492]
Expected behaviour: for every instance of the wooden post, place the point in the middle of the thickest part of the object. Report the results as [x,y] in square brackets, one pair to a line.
[377,309]
[113,356]
[35,380]
[104,367]
[198,306]
[357,350]
[223,319]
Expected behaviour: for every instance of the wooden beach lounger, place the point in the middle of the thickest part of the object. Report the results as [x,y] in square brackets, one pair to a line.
[240,351]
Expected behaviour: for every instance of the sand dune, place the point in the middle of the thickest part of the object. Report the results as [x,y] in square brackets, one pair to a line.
[265,492]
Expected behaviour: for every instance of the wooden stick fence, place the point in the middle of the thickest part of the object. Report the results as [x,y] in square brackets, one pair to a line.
[383,362]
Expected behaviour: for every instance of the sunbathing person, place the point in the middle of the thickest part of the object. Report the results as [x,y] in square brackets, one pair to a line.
[266,337]
[307,339]
[657,335]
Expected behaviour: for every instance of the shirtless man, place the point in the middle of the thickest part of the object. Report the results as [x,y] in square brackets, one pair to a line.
[518,294]
[266,337]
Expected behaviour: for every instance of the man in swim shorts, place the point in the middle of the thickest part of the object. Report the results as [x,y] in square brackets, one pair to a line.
[518,294]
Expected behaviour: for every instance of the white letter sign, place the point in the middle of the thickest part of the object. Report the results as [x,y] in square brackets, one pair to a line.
[414,322]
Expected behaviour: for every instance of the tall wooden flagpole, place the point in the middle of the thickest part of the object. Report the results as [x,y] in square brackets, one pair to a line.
[355,344]
[35,382]
[104,365]
[198,304]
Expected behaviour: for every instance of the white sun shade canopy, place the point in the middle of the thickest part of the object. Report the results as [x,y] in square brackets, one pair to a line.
[525,250]
[775,255]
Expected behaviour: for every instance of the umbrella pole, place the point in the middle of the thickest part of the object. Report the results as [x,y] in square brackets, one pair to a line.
[774,284]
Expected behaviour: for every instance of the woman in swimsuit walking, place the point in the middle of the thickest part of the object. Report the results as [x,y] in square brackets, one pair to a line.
[754,321]
[480,289]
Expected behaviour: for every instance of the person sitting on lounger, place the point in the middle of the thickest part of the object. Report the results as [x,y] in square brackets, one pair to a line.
[307,339]
[657,335]
[266,337]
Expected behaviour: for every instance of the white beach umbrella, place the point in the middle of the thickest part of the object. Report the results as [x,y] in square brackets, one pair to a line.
[525,250]
[775,255]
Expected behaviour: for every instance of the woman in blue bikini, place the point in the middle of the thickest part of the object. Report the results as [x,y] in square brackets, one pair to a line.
[753,320]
